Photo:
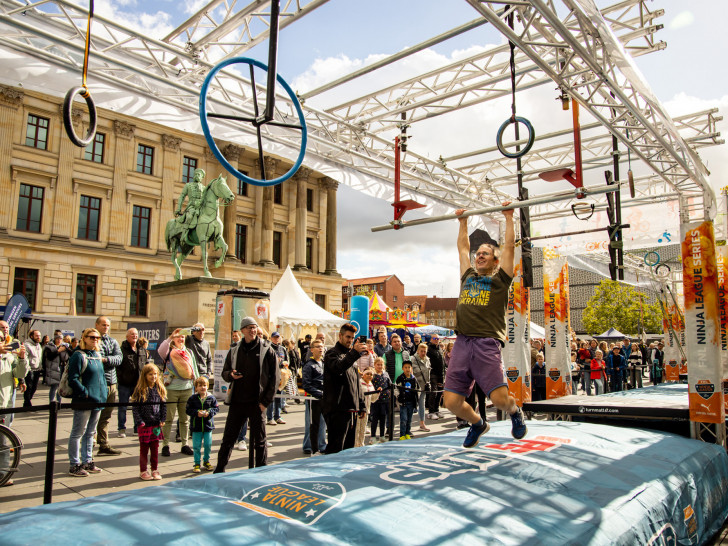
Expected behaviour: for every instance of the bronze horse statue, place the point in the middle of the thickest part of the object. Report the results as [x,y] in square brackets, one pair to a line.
[208,230]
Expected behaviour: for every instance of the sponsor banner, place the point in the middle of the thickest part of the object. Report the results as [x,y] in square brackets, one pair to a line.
[516,353]
[702,323]
[672,348]
[721,257]
[556,324]
[16,307]
[155,333]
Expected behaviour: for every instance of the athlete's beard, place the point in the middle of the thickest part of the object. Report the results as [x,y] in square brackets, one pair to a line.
[490,271]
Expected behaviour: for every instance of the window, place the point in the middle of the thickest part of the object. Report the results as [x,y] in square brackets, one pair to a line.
[309,199]
[189,164]
[30,208]
[36,132]
[88,218]
[241,240]
[145,159]
[243,186]
[138,299]
[95,149]
[26,283]
[85,294]
[277,238]
[140,226]
[309,252]
[278,194]
[394,298]
[320,300]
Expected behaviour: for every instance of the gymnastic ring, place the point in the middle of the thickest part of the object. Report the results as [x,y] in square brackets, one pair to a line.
[211,141]
[660,270]
[573,211]
[652,258]
[526,148]
[68,119]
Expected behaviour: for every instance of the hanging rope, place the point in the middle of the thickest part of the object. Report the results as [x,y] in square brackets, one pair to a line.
[515,119]
[83,92]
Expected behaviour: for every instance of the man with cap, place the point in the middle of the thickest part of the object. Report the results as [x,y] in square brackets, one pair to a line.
[251,369]
[274,410]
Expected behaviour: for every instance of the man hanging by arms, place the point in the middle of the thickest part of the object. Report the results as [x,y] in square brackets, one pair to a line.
[481,328]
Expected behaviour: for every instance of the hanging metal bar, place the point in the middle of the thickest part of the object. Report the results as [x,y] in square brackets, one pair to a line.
[553,198]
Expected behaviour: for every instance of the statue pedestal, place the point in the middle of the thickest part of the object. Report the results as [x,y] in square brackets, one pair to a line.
[185,302]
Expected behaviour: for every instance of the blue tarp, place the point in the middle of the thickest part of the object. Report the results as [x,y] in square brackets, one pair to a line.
[569,483]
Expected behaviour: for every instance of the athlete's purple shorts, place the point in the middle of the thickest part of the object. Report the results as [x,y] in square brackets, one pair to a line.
[475,359]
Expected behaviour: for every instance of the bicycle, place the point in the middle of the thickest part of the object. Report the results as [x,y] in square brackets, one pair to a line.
[10,448]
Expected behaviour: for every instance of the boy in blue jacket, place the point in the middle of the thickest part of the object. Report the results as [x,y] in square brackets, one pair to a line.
[201,407]
[407,398]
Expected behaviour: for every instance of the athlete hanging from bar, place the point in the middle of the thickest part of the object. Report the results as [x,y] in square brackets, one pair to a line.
[480,318]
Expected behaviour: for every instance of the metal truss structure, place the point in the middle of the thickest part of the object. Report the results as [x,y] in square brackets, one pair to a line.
[585,52]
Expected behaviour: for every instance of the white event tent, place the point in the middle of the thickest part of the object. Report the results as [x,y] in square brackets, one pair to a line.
[291,309]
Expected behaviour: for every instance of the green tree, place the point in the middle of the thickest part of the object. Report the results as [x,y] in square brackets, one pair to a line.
[617,305]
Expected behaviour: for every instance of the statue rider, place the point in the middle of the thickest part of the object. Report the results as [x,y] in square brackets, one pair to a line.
[193,190]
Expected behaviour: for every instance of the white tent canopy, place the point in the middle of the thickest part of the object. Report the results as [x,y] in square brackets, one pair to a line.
[291,309]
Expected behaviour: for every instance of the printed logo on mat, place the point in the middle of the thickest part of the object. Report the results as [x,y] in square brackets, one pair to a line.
[665,536]
[554,374]
[705,388]
[304,502]
[512,374]
[691,524]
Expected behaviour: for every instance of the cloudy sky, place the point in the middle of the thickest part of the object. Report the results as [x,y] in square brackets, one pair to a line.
[342,36]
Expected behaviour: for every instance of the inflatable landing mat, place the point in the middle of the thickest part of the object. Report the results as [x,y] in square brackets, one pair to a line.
[566,483]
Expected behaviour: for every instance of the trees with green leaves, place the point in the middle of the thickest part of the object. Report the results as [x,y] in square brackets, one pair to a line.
[617,305]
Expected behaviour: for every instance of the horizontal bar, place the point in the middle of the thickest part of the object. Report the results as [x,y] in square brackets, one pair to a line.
[596,190]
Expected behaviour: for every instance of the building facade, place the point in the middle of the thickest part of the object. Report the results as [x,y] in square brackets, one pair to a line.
[440,312]
[83,229]
[389,288]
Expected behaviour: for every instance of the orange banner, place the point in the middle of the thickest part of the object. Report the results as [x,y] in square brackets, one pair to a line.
[702,323]
[556,324]
[516,353]
[721,256]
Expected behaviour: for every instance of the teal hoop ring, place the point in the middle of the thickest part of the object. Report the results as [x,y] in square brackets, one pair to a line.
[651,258]
[211,142]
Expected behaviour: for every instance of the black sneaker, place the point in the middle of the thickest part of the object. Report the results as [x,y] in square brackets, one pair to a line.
[165,451]
[474,434]
[77,471]
[108,450]
[187,450]
[91,468]
[518,428]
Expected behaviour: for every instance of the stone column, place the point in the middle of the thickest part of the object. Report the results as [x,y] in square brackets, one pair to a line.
[171,173]
[11,106]
[63,194]
[301,178]
[124,133]
[331,186]
[266,258]
[229,217]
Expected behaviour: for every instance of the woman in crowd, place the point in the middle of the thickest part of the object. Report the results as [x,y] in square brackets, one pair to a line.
[86,379]
[634,364]
[421,371]
[179,375]
[56,357]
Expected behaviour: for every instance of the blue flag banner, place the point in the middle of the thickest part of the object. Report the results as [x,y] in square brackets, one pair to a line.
[155,333]
[16,307]
[566,483]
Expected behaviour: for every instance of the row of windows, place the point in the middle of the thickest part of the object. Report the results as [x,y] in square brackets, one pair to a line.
[26,283]
[36,135]
[30,216]
[241,242]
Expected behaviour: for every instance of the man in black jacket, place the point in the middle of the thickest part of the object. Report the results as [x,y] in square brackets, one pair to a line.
[251,368]
[313,384]
[437,377]
[133,359]
[343,399]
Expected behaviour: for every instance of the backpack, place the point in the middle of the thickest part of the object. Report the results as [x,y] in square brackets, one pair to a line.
[64,389]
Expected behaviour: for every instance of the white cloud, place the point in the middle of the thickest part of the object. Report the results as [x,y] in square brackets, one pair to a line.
[682,20]
[155,25]
[193,6]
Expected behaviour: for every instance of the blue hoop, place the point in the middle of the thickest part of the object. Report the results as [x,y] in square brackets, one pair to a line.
[211,142]
[526,148]
[651,262]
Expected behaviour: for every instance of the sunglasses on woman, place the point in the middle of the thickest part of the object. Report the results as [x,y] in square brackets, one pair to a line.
[95,338]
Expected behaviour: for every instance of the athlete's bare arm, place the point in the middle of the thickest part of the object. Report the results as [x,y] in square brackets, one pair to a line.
[509,246]
[464,243]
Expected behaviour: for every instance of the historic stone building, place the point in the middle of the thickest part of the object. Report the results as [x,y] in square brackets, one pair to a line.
[83,229]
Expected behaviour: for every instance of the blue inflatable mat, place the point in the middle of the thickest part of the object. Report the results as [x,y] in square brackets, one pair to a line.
[567,483]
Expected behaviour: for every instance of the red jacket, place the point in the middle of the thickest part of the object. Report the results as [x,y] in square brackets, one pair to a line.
[596,368]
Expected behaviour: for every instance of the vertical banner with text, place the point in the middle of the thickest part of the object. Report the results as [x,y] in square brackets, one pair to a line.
[517,353]
[675,332]
[556,323]
[702,322]
[721,256]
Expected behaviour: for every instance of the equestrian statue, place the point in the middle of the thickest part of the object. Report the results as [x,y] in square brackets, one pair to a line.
[199,224]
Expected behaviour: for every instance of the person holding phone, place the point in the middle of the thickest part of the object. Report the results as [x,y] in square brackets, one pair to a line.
[13,367]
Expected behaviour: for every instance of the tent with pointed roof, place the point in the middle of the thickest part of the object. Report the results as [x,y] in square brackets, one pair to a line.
[611,334]
[291,309]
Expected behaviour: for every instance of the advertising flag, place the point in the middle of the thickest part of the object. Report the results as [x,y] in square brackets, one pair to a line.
[516,353]
[702,322]
[721,255]
[556,319]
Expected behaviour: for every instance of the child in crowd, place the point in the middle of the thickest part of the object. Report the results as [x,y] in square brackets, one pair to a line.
[201,407]
[407,398]
[380,407]
[597,372]
[538,379]
[366,386]
[149,420]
